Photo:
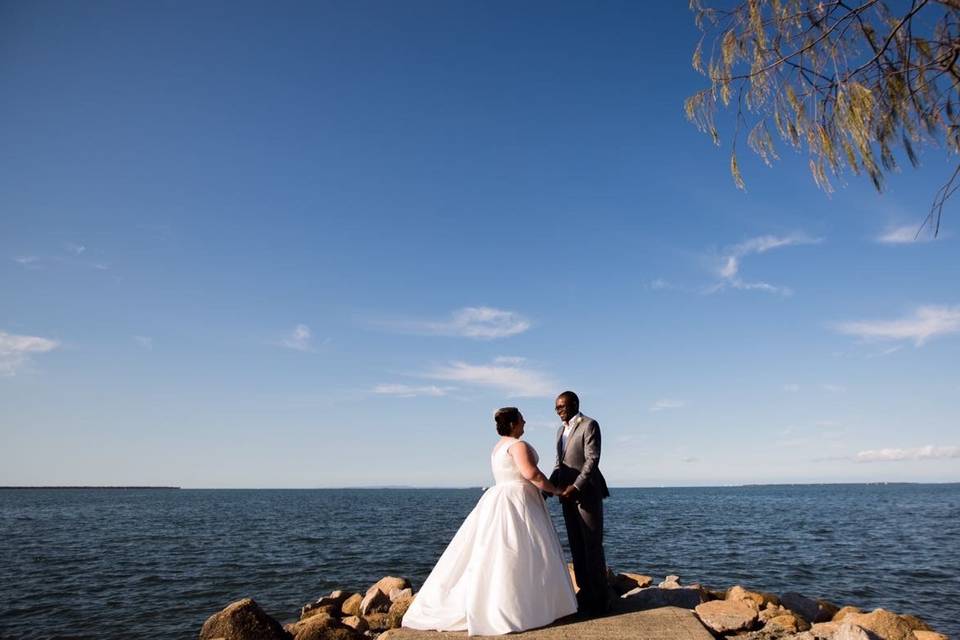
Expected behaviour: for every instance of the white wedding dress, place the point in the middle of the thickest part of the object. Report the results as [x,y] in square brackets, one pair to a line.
[504,570]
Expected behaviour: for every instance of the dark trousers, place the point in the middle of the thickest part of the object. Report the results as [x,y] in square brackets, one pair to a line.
[584,521]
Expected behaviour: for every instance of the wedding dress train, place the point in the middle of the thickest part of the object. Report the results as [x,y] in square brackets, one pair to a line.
[504,570]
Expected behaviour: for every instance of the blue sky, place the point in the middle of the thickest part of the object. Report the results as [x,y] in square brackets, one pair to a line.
[318,244]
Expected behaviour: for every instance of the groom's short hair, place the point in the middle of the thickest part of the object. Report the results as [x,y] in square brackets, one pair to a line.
[572,398]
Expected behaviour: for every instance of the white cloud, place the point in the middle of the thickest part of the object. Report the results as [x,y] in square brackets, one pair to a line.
[926,322]
[409,391]
[15,350]
[908,234]
[666,403]
[144,341]
[791,388]
[833,388]
[480,323]
[732,260]
[74,248]
[27,262]
[504,374]
[299,338]
[928,452]
[659,284]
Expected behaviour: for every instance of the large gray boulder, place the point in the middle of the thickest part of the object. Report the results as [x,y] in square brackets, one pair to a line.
[812,610]
[242,620]
[654,597]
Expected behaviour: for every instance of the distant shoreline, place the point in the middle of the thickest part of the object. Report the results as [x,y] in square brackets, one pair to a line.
[461,488]
[91,487]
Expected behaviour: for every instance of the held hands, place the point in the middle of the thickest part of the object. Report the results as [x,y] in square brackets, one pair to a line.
[568,493]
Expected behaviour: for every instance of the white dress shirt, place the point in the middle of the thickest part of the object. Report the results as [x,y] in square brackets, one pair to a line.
[568,428]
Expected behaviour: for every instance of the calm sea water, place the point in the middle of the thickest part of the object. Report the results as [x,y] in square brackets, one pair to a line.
[156,563]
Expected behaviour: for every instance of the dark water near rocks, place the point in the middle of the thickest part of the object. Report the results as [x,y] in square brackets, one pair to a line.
[123,563]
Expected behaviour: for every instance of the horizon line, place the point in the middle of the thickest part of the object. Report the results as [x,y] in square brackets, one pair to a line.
[463,487]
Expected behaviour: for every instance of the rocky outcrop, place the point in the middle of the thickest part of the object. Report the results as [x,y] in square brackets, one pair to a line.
[736,613]
[242,620]
[727,616]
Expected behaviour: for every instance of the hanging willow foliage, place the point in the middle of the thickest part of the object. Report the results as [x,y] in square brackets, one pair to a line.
[848,82]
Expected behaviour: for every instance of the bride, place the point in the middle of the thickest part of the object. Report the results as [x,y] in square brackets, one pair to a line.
[504,570]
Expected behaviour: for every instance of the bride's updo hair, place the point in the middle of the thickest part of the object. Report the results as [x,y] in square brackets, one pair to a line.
[505,419]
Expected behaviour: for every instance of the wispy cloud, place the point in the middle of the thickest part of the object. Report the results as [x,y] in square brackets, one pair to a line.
[508,374]
[908,234]
[732,260]
[300,338]
[833,388]
[144,341]
[791,388]
[480,323]
[16,350]
[665,403]
[27,262]
[410,391]
[71,254]
[928,452]
[659,284]
[925,323]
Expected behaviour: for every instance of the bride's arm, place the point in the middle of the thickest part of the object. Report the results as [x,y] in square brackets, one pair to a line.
[522,455]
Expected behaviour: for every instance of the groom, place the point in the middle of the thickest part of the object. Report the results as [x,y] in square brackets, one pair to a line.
[577,474]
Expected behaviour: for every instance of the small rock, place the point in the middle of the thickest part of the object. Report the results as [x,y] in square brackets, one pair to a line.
[811,610]
[377,598]
[400,594]
[671,582]
[737,592]
[844,612]
[378,621]
[573,577]
[375,601]
[242,620]
[850,631]
[724,616]
[921,634]
[397,611]
[322,627]
[788,621]
[356,622]
[883,623]
[825,630]
[351,606]
[313,609]
[623,582]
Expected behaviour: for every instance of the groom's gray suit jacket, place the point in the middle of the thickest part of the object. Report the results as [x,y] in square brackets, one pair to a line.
[579,462]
